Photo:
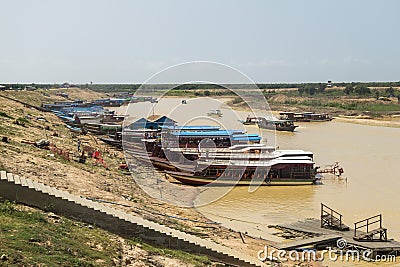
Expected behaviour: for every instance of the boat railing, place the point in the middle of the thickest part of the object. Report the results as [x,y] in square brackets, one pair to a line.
[238,162]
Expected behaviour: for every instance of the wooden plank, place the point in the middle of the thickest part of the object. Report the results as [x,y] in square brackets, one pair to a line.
[309,241]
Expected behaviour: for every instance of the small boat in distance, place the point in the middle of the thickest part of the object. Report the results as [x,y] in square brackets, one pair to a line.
[215,112]
[251,120]
[276,124]
[305,116]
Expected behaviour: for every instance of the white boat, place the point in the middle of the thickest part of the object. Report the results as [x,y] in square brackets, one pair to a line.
[215,112]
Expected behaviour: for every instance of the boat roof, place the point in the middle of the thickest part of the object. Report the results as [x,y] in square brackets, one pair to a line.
[219,133]
[292,152]
[246,138]
[251,163]
[275,119]
[191,128]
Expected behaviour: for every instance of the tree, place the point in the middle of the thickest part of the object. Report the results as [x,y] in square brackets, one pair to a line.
[390,91]
[348,89]
[362,90]
[207,93]
[321,87]
[377,94]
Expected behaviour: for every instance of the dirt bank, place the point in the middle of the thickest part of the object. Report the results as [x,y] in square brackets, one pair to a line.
[22,125]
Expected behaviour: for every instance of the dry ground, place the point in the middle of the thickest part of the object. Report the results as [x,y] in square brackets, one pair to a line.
[91,180]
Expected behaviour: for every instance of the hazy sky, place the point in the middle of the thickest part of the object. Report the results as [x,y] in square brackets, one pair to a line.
[128,41]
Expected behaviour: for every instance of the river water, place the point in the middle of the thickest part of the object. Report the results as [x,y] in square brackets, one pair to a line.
[369,156]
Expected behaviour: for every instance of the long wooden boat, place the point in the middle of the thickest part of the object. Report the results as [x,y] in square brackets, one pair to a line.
[305,116]
[275,124]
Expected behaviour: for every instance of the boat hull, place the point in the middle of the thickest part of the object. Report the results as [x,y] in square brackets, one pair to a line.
[279,128]
[199,180]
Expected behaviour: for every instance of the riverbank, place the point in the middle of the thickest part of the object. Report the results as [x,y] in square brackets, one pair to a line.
[390,119]
[22,126]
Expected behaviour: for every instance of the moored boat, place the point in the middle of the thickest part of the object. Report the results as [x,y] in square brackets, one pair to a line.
[305,116]
[276,124]
[200,155]
[251,120]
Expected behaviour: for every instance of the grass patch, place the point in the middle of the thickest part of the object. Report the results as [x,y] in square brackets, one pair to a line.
[30,238]
[186,257]
[5,115]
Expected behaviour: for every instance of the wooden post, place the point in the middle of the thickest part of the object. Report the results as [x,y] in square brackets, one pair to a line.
[322,213]
[355,229]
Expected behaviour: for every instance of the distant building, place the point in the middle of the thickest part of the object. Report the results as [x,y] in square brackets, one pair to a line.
[2,88]
[329,84]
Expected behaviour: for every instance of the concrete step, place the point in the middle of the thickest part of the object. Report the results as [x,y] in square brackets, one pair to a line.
[10,177]
[225,253]
[30,183]
[17,180]
[3,175]
[23,182]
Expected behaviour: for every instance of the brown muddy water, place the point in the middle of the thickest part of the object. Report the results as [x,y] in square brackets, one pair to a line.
[369,155]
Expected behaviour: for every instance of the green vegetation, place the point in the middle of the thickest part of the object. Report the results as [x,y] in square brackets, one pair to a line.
[29,238]
[35,238]
[359,106]
[178,254]
[3,114]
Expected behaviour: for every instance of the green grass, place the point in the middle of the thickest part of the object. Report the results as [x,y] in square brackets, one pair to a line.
[29,238]
[178,254]
[359,106]
[3,114]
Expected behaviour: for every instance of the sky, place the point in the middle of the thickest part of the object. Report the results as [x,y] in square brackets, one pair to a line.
[127,41]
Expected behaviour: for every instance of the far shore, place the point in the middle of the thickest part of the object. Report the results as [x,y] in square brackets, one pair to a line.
[387,121]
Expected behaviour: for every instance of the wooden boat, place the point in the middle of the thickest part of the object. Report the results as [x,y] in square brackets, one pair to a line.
[275,124]
[260,164]
[251,120]
[317,117]
[305,116]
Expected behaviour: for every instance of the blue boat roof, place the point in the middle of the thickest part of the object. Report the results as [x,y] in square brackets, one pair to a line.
[249,138]
[192,128]
[220,133]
